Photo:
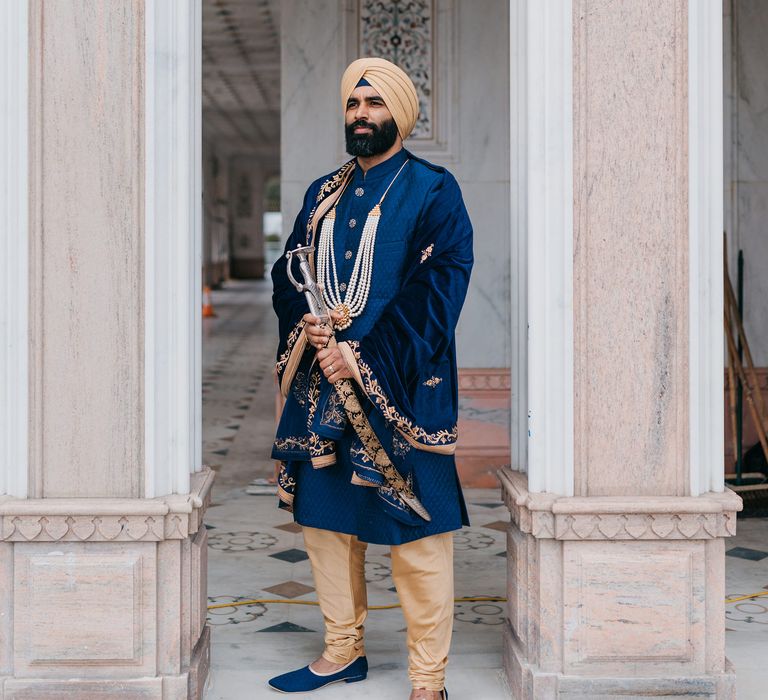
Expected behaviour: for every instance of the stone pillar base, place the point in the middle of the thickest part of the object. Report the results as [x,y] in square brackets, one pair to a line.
[104,597]
[616,596]
[527,681]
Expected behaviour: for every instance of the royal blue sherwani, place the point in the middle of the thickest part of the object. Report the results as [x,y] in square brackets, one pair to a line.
[404,347]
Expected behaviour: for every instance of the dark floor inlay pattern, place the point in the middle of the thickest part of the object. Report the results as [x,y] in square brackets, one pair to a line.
[241,541]
[286,627]
[480,613]
[291,555]
[747,553]
[234,614]
[469,538]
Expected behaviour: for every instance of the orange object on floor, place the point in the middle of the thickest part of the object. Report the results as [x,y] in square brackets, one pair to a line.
[208,311]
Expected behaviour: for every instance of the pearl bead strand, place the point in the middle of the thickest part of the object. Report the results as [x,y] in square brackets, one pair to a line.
[359,287]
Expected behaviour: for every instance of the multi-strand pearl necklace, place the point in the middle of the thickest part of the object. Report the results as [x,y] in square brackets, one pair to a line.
[359,286]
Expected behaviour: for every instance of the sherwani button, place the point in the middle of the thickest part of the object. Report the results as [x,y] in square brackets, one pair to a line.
[352,223]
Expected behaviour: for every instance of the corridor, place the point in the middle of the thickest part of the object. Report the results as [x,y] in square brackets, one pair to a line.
[256,552]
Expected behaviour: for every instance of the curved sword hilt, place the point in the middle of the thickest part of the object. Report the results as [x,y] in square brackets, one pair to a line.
[311,289]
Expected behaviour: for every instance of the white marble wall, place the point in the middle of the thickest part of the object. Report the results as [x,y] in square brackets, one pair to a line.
[746,158]
[476,150]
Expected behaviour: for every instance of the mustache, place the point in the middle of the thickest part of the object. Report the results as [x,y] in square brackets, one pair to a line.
[363,123]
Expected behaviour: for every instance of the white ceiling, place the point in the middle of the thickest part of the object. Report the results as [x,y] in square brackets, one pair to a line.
[241,77]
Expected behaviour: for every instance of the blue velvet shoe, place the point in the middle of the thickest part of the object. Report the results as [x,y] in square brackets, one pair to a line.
[305,679]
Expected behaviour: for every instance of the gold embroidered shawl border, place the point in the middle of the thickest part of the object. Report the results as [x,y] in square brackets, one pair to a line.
[443,441]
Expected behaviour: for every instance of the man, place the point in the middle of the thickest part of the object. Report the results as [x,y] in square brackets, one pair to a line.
[368,432]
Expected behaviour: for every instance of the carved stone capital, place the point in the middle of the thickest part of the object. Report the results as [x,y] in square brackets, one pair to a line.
[547,516]
[173,517]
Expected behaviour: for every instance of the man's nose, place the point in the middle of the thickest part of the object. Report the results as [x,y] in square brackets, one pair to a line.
[361,112]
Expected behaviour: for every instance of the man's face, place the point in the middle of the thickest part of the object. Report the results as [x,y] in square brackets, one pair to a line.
[369,126]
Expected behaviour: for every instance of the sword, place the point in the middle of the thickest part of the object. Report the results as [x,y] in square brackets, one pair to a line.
[312,290]
[314,295]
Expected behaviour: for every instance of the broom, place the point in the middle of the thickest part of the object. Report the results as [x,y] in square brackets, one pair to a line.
[755,492]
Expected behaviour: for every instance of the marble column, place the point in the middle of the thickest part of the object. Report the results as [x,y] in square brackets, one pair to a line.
[102,549]
[616,545]
[246,212]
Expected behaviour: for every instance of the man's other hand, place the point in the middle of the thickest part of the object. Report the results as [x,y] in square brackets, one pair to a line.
[333,364]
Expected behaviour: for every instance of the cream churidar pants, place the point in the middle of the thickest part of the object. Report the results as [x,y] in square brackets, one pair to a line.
[423,574]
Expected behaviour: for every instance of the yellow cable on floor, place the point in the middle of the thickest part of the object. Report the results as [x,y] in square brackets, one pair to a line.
[476,599]
[746,597]
[392,606]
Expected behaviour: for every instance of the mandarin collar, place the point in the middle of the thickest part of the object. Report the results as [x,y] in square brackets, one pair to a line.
[388,167]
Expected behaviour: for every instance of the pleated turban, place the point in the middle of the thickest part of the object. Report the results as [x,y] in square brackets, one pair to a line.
[391,82]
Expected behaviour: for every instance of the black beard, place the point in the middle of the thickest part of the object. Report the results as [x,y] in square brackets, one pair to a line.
[380,140]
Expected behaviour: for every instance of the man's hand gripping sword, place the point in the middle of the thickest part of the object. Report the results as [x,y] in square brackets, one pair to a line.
[314,295]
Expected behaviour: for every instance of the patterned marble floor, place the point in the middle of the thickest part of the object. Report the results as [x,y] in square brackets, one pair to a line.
[256,552]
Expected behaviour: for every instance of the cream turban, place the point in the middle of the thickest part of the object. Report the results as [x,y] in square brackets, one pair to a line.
[391,82]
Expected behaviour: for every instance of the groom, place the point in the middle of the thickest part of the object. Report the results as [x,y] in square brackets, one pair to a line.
[393,255]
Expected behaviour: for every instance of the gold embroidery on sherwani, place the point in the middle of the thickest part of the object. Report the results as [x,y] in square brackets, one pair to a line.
[292,442]
[333,182]
[426,252]
[321,452]
[285,482]
[334,411]
[442,439]
[432,382]
[329,192]
[400,446]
